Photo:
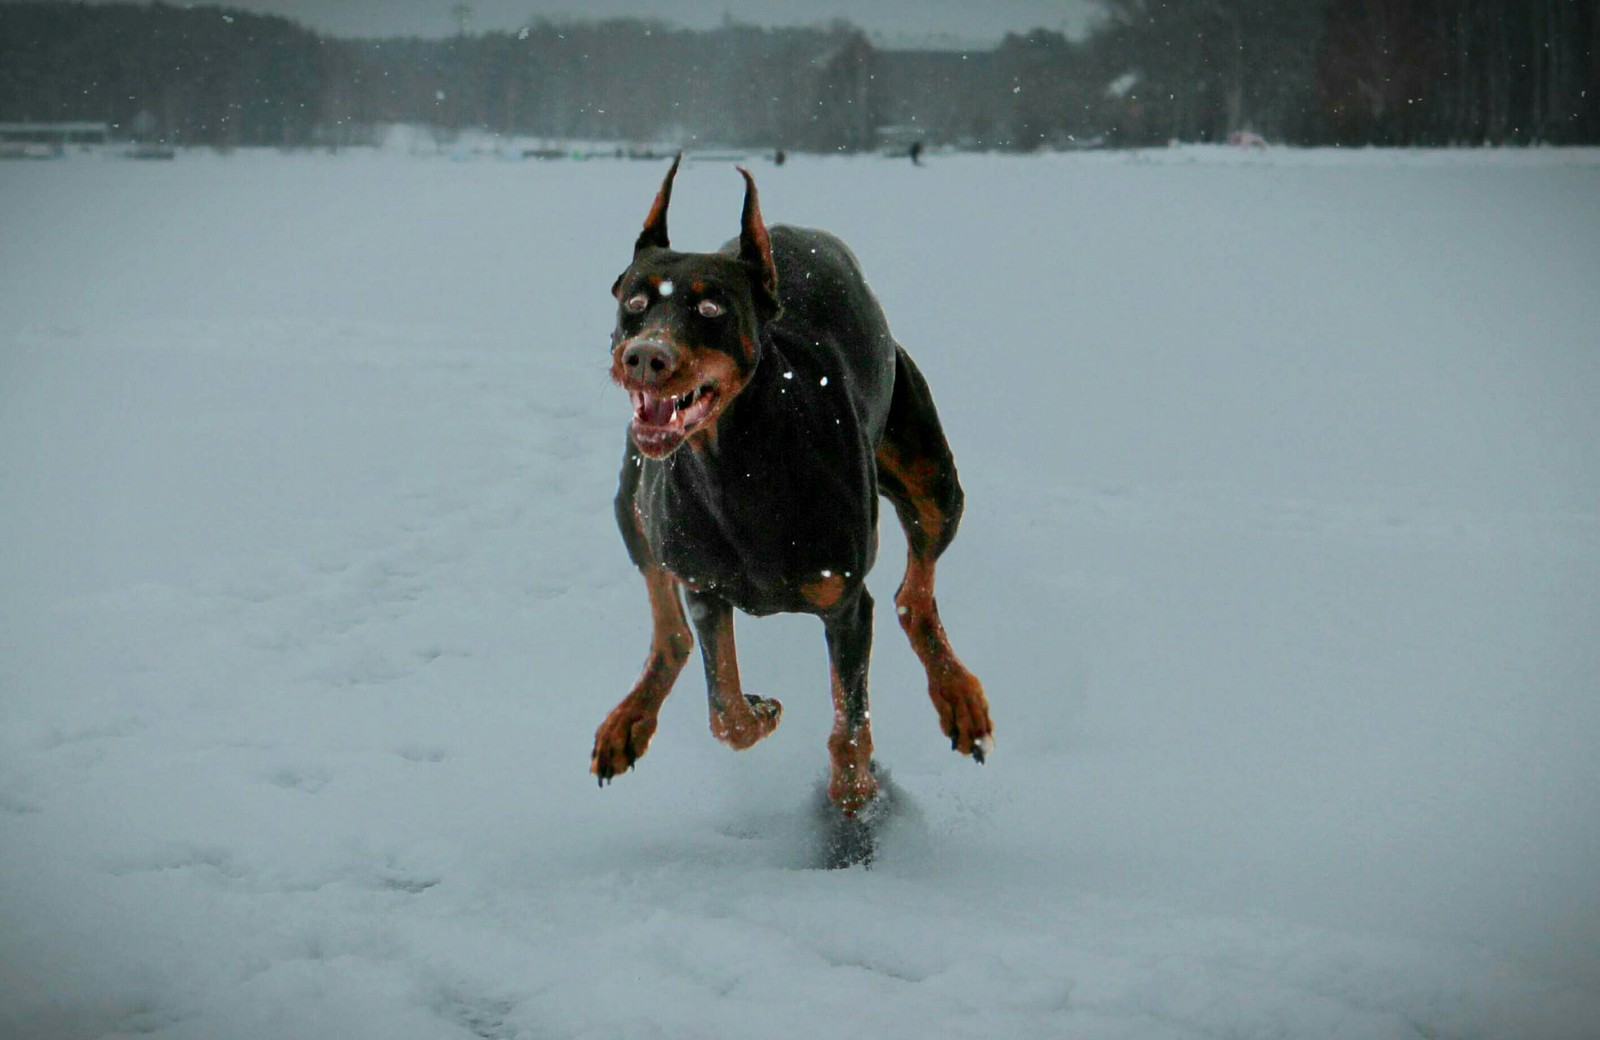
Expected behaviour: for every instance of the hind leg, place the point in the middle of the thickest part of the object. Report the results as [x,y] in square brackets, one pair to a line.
[917,473]
[851,785]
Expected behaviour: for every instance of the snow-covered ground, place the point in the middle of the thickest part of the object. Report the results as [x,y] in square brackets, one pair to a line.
[1281,566]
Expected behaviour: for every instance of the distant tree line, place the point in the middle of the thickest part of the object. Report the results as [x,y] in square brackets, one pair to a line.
[1429,72]
[621,80]
[189,75]
[1447,71]
[1348,72]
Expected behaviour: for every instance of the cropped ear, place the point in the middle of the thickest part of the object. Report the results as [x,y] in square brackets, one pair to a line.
[755,247]
[654,234]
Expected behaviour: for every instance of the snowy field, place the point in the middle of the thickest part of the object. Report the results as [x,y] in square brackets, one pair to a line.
[1281,566]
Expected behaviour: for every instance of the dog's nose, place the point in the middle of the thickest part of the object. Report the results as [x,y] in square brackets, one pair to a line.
[650,361]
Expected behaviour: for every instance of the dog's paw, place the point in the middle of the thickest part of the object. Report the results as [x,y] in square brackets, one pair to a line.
[620,741]
[964,715]
[742,729]
[851,785]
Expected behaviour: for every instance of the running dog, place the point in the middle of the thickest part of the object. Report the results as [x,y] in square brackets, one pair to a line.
[771,408]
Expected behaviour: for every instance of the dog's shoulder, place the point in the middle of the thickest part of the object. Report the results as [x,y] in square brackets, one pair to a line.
[830,320]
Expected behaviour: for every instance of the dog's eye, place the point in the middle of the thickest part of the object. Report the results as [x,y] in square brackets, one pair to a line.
[710,309]
[637,303]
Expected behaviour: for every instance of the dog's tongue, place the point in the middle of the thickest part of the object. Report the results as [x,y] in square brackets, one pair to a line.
[656,411]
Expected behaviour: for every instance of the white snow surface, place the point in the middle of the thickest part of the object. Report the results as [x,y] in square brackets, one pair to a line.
[1281,566]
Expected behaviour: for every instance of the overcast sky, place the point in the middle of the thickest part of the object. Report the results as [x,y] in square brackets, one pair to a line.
[898,21]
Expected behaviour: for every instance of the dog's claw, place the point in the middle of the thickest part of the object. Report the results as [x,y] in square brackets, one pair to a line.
[979,747]
[605,774]
[766,707]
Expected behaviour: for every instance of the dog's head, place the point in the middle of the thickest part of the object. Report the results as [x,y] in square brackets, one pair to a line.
[688,332]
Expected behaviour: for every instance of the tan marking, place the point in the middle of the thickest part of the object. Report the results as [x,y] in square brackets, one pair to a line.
[824,591]
[918,477]
[719,370]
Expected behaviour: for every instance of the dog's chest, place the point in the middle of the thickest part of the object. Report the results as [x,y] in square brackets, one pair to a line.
[756,530]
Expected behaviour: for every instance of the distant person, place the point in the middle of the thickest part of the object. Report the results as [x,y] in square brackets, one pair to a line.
[780,157]
[916,153]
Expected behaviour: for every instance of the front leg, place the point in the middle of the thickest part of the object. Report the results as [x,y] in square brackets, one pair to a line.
[625,734]
[738,719]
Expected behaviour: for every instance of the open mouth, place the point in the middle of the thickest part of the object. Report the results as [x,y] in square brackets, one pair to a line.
[660,423]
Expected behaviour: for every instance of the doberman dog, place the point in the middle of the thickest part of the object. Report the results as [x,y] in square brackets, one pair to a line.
[771,407]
